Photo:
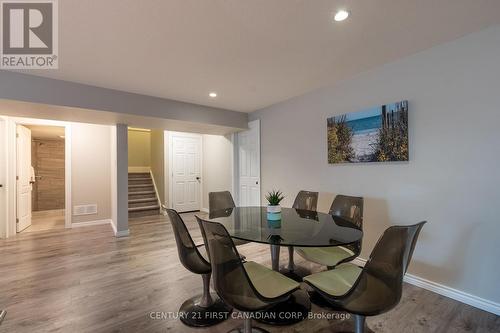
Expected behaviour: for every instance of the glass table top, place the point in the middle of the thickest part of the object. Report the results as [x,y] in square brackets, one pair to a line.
[296,227]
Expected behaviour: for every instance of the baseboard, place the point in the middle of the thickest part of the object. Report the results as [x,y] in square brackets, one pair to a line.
[90,223]
[113,226]
[204,210]
[452,293]
[138,169]
[122,233]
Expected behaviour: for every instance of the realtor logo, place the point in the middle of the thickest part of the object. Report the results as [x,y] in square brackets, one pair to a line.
[29,34]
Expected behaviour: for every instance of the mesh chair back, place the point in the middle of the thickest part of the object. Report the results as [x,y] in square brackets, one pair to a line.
[189,255]
[306,200]
[380,284]
[220,201]
[229,276]
[348,207]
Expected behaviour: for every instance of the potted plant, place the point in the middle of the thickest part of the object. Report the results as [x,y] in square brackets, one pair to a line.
[274,198]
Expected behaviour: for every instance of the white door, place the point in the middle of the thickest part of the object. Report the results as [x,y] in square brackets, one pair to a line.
[185,168]
[249,165]
[23,202]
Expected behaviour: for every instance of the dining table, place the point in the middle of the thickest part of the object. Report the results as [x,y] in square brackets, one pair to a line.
[293,227]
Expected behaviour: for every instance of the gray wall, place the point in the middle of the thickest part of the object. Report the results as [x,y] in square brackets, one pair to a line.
[452,179]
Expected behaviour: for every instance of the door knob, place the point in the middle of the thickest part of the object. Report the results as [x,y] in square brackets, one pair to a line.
[197,178]
[1,185]
[256,183]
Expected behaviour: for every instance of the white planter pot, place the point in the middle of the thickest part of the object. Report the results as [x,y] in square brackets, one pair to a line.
[274,209]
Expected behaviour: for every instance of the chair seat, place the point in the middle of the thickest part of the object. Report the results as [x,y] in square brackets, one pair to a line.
[337,281]
[269,283]
[327,256]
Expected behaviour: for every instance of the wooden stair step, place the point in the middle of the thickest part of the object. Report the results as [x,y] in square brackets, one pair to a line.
[137,209]
[142,200]
[138,175]
[141,186]
[141,192]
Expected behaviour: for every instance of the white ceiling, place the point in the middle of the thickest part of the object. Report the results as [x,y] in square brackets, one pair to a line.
[46,132]
[253,53]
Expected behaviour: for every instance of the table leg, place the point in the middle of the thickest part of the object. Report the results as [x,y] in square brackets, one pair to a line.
[275,257]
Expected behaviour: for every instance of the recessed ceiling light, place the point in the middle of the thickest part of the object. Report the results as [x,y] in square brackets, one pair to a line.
[213,94]
[341,15]
[62,136]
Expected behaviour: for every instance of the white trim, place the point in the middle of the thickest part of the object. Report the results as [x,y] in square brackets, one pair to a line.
[441,289]
[123,233]
[4,177]
[12,122]
[138,169]
[113,226]
[166,169]
[233,168]
[170,175]
[91,223]
[67,176]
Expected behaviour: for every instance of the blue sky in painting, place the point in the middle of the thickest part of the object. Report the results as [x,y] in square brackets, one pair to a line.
[371,112]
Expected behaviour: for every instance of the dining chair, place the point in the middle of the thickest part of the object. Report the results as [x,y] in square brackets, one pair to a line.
[304,201]
[247,286]
[220,201]
[377,287]
[346,211]
[206,309]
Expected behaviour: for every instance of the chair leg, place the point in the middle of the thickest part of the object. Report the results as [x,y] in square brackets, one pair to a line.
[291,264]
[206,300]
[204,310]
[247,326]
[2,315]
[359,323]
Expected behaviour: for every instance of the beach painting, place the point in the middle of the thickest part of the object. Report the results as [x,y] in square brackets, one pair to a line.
[378,134]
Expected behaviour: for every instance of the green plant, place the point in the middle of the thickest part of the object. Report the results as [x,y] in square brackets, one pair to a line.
[274,197]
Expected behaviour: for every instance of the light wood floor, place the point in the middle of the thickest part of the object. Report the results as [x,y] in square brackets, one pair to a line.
[46,220]
[86,280]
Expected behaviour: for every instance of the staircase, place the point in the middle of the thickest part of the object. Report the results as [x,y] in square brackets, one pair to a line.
[142,199]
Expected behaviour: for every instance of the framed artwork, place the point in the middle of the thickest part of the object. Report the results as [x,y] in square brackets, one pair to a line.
[378,134]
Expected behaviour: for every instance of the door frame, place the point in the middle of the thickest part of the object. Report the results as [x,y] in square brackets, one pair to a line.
[169,173]
[11,123]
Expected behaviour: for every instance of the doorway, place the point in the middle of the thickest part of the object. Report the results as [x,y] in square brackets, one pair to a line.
[247,163]
[31,206]
[185,164]
[40,177]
